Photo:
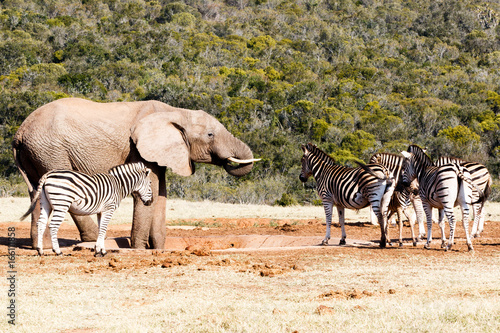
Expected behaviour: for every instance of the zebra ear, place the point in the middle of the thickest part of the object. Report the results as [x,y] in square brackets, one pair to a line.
[159,138]
[406,154]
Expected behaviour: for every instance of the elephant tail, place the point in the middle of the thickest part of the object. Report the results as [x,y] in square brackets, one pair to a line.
[35,197]
[16,150]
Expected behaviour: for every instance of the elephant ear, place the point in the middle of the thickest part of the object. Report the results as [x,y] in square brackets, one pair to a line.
[159,138]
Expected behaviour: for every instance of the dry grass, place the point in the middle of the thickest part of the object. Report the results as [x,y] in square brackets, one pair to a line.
[315,290]
[329,290]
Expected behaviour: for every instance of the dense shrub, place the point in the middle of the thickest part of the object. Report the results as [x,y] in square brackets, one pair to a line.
[354,77]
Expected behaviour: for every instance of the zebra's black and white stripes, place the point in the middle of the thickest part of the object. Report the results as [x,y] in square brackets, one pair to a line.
[442,188]
[403,196]
[61,191]
[352,188]
[481,177]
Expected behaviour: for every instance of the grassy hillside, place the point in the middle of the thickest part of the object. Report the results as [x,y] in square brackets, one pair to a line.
[355,77]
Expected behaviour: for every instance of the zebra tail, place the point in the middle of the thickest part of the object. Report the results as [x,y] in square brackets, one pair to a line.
[487,190]
[17,160]
[482,197]
[35,197]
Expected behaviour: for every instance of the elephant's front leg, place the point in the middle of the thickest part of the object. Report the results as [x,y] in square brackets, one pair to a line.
[149,221]
[141,224]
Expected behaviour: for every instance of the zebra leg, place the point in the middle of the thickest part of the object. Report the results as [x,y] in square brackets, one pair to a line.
[57,218]
[45,209]
[412,225]
[373,217]
[382,220]
[481,222]
[441,227]
[477,226]
[451,220]
[465,222]
[341,213]
[328,206]
[419,213]
[103,219]
[428,214]
[400,222]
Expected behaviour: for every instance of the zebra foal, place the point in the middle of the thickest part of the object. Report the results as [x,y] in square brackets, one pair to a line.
[482,179]
[440,187]
[61,191]
[352,188]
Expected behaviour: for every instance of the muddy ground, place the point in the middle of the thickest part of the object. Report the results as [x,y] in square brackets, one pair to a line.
[487,244]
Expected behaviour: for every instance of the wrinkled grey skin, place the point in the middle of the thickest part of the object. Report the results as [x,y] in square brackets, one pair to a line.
[92,137]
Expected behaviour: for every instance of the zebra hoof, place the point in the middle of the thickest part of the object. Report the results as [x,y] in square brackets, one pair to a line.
[40,251]
[443,245]
[383,245]
[100,254]
[414,243]
[324,242]
[342,242]
[58,253]
[400,244]
[427,247]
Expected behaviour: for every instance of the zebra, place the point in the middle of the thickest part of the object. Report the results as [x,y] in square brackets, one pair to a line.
[344,187]
[402,196]
[61,191]
[440,187]
[482,178]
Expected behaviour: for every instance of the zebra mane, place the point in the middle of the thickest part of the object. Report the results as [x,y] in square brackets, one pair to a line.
[320,154]
[132,166]
[420,154]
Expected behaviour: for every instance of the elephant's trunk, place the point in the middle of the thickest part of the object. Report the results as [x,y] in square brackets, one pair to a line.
[241,162]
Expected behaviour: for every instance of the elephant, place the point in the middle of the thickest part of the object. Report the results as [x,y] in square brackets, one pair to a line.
[92,137]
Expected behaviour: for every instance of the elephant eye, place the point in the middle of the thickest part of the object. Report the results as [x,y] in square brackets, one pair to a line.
[210,135]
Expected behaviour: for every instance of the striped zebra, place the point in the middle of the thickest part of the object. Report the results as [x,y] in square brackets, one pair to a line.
[402,196]
[440,187]
[352,188]
[61,191]
[482,178]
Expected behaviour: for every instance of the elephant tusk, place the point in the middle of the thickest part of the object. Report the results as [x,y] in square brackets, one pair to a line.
[235,160]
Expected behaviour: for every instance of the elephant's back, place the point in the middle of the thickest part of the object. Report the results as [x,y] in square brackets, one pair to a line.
[67,113]
[74,133]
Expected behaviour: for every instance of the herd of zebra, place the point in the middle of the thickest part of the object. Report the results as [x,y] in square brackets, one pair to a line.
[388,184]
[391,183]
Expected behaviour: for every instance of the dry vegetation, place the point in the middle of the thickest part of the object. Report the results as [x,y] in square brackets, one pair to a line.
[309,290]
